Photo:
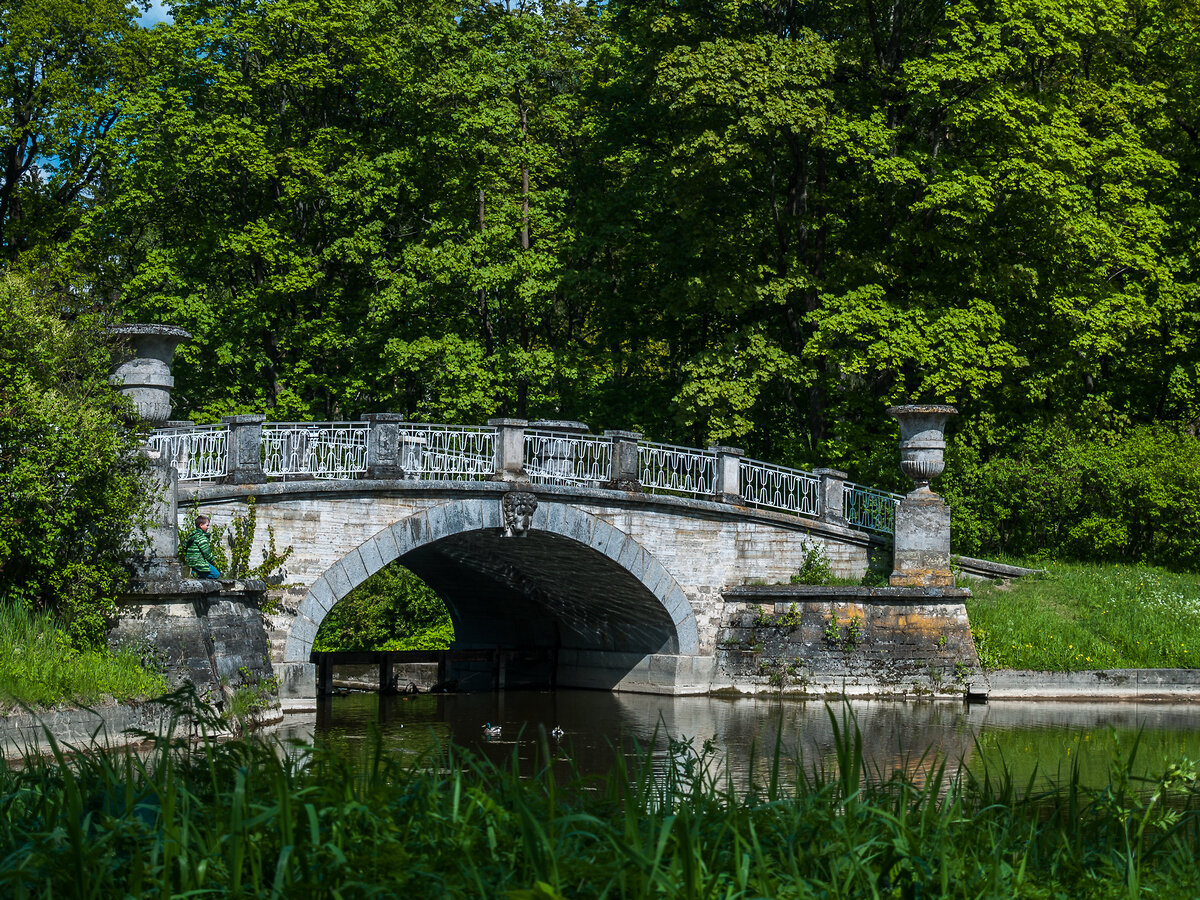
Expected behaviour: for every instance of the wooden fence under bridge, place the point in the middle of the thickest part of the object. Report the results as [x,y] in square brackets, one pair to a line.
[456,669]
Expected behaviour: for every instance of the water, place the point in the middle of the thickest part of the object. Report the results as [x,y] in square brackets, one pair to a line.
[1034,740]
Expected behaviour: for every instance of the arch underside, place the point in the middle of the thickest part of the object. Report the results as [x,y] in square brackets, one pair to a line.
[541,590]
[572,582]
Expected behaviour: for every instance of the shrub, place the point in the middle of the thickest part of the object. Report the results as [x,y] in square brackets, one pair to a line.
[1051,492]
[70,479]
[816,568]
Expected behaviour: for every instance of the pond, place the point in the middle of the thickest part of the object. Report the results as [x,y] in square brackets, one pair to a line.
[1038,742]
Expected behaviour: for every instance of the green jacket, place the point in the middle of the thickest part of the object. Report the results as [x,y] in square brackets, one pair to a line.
[197,551]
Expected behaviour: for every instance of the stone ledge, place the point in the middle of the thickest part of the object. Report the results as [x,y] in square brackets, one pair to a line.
[782,593]
[1109,684]
[986,568]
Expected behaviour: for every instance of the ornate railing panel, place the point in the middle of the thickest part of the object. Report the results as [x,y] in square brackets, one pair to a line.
[870,508]
[666,468]
[319,449]
[555,457]
[448,452]
[198,452]
[774,487]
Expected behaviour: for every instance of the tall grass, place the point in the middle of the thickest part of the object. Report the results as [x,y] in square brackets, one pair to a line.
[39,667]
[252,819]
[1082,616]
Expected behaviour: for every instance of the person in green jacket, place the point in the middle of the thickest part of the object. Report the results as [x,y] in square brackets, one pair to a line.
[197,551]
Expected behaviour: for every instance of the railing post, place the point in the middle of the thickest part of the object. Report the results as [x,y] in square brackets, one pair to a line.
[245,449]
[624,474]
[383,445]
[729,475]
[510,449]
[832,495]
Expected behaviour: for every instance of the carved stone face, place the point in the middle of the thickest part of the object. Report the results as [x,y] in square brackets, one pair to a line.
[518,508]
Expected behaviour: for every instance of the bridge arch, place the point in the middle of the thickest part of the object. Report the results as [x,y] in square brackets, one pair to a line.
[573,579]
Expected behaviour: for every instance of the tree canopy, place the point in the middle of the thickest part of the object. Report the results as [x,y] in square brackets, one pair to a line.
[758,223]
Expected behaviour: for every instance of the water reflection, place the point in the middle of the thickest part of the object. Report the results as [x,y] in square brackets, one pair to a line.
[1033,740]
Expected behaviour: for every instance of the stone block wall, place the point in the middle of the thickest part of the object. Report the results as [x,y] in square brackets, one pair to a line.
[847,641]
[213,638]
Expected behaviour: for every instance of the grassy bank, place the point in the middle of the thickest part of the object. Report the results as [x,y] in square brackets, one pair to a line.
[249,819]
[1080,617]
[39,667]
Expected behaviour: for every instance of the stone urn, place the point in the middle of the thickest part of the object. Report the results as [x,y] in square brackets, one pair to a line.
[922,441]
[145,377]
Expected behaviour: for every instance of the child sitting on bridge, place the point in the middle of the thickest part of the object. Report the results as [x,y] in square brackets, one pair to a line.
[197,551]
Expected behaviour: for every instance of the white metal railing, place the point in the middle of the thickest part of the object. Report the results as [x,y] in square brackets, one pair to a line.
[432,452]
[870,508]
[556,457]
[667,468]
[198,452]
[448,452]
[319,449]
[774,487]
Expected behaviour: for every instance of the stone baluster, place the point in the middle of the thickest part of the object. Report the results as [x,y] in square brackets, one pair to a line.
[384,458]
[510,449]
[729,474]
[245,449]
[832,491]
[624,474]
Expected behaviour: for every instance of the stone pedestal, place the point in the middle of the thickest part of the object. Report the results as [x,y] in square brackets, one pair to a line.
[245,449]
[624,474]
[510,449]
[206,633]
[922,538]
[833,495]
[159,559]
[922,544]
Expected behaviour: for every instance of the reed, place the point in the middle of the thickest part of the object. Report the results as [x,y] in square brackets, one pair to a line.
[254,818]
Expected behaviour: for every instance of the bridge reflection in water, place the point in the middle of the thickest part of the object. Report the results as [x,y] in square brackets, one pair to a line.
[1041,739]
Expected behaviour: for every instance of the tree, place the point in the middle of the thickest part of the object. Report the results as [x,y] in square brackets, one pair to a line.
[70,479]
[62,64]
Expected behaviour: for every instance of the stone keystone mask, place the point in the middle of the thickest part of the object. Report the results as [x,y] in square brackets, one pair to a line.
[518,508]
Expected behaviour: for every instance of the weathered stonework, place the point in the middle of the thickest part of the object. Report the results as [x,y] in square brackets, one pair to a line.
[202,632]
[619,583]
[810,640]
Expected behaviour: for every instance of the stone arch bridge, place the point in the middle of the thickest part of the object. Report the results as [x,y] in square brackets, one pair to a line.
[617,553]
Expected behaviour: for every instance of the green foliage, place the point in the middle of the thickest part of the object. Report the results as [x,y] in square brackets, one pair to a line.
[40,666]
[1083,617]
[63,67]
[248,818]
[391,610]
[241,540]
[709,220]
[816,568]
[1130,497]
[71,489]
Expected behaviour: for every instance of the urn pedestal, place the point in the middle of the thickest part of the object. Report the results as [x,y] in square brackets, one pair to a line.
[922,538]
